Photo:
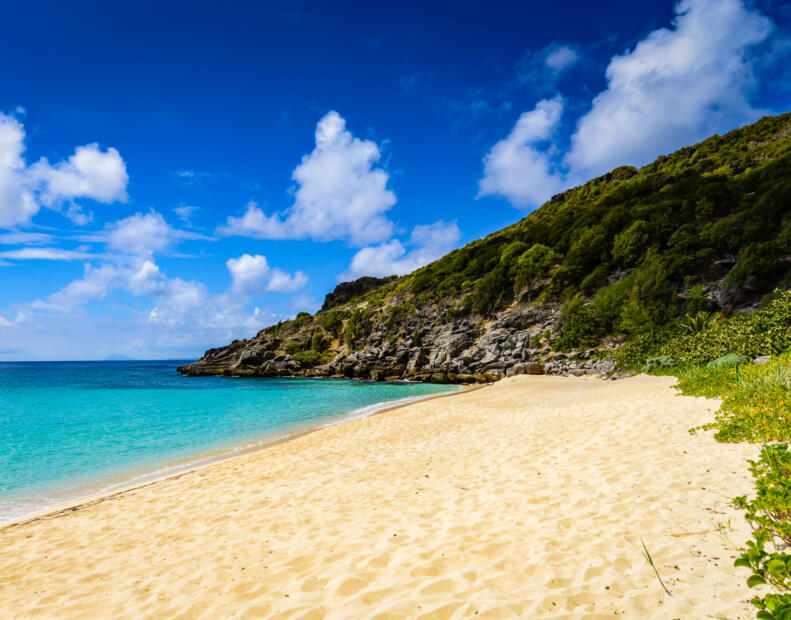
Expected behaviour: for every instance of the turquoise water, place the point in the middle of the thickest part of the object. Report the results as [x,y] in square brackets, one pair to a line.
[69,428]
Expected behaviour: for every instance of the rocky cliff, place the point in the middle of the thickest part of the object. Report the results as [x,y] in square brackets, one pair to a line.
[424,346]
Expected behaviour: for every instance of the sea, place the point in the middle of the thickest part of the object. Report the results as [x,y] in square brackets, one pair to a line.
[69,430]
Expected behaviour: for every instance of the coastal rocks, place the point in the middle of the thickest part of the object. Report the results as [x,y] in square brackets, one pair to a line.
[426,346]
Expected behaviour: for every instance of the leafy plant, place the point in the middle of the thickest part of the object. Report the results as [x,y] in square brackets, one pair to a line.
[769,514]
[700,322]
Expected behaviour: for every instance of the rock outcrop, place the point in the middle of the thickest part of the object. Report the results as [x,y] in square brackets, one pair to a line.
[424,346]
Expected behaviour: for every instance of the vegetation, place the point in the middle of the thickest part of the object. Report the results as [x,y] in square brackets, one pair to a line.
[769,513]
[642,243]
[637,256]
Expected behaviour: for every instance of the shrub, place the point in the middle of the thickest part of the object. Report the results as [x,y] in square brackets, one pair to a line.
[609,301]
[578,325]
[294,347]
[764,332]
[700,322]
[333,321]
[631,244]
[302,319]
[635,352]
[534,263]
[769,514]
[696,300]
[312,358]
[318,342]
[760,262]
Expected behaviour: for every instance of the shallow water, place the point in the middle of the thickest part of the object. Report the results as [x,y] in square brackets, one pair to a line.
[69,428]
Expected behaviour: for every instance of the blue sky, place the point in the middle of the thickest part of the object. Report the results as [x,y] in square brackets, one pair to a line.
[173,177]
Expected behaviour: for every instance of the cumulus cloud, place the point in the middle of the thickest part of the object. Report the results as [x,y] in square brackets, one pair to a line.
[141,233]
[339,194]
[676,86]
[427,243]
[252,275]
[24,189]
[89,173]
[515,168]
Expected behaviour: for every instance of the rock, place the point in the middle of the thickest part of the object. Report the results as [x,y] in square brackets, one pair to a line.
[348,290]
[763,359]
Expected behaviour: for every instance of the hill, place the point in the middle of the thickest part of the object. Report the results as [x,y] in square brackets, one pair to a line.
[707,228]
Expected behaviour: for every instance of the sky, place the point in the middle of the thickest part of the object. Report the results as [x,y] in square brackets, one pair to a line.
[177,175]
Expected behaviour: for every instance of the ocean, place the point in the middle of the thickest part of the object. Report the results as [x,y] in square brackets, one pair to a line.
[70,429]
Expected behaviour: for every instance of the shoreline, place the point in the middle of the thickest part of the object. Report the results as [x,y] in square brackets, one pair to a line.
[110,489]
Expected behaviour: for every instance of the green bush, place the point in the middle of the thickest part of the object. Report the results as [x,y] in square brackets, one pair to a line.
[318,342]
[534,263]
[769,514]
[764,332]
[312,358]
[333,321]
[578,325]
[302,319]
[631,244]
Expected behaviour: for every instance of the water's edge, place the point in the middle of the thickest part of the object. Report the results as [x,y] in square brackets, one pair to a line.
[105,489]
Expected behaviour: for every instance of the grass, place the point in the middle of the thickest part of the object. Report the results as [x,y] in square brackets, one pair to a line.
[756,404]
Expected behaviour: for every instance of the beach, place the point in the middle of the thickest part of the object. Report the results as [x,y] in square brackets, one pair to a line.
[530,498]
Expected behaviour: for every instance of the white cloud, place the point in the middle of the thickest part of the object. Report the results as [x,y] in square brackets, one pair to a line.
[25,238]
[515,168]
[340,194]
[5,322]
[141,234]
[17,204]
[282,282]
[427,242]
[561,58]
[88,173]
[95,283]
[677,86]
[56,254]
[185,213]
[542,70]
[252,275]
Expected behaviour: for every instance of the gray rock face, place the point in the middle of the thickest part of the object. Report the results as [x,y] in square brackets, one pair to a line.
[427,346]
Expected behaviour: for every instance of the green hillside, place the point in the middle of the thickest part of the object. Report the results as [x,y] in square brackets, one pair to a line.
[707,228]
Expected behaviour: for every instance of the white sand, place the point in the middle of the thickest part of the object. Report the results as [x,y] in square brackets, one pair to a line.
[527,499]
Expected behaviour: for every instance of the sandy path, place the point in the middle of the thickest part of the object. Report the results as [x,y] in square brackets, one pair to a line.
[525,499]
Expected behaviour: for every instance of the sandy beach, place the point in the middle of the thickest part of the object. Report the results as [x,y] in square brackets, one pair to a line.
[525,499]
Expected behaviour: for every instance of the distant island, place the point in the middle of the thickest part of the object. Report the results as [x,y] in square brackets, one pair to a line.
[118,357]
